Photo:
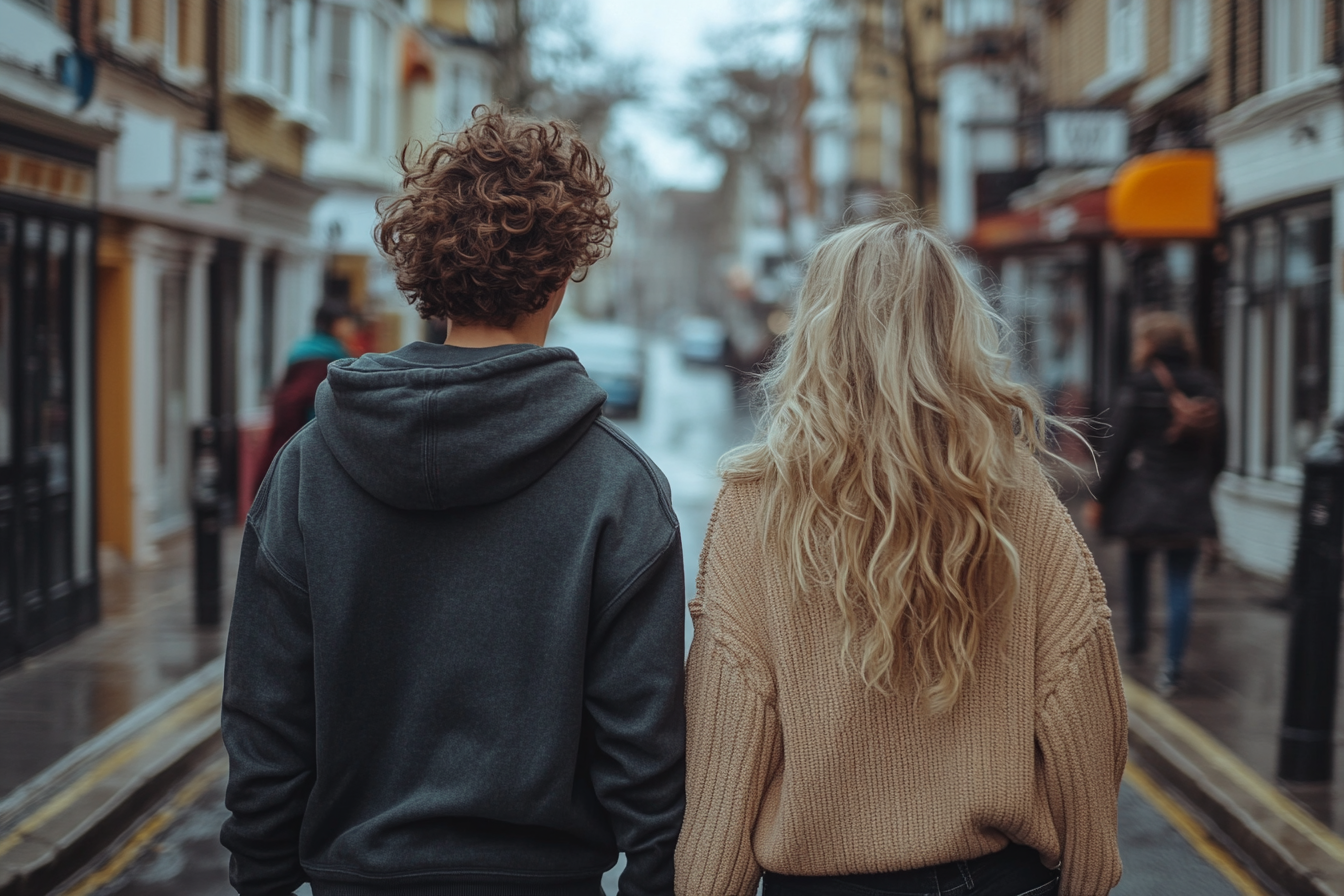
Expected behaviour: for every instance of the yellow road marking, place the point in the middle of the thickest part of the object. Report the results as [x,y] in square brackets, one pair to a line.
[1193,832]
[144,836]
[1221,758]
[118,758]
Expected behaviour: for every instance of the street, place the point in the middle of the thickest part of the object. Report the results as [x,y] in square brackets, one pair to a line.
[691,417]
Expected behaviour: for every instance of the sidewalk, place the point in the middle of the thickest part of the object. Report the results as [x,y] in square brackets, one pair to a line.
[147,642]
[1234,669]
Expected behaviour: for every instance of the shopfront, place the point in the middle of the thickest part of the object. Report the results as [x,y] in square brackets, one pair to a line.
[48,582]
[1081,253]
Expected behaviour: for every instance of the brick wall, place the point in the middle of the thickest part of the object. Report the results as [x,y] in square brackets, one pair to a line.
[1157,25]
[147,17]
[1247,65]
[191,33]
[1074,52]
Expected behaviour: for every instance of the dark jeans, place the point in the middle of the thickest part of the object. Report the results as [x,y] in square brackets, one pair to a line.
[1180,575]
[1012,871]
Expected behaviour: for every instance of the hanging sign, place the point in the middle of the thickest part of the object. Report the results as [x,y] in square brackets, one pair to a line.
[1086,138]
[202,166]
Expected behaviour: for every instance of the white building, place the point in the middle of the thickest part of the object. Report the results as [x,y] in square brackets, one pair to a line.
[1281,169]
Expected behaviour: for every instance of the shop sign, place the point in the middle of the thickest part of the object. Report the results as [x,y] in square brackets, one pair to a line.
[203,166]
[1084,138]
[45,178]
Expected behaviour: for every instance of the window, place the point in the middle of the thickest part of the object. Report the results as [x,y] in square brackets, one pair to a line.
[968,16]
[1280,382]
[340,113]
[1293,38]
[1124,36]
[1189,33]
[380,88]
[279,46]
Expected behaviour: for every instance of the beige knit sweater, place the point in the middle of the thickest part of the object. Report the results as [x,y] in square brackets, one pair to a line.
[793,766]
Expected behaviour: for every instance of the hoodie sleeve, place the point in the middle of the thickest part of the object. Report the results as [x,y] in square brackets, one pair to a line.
[634,699]
[268,721]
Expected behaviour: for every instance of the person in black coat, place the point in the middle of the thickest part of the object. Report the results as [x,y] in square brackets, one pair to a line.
[1158,475]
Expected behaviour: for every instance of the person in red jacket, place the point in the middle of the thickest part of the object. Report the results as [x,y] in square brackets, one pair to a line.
[292,405]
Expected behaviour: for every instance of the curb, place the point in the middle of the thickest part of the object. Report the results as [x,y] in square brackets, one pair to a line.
[60,820]
[1291,847]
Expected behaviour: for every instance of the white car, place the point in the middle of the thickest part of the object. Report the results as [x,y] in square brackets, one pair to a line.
[702,340]
[613,355]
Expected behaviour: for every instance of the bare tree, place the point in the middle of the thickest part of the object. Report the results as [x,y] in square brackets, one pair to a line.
[552,66]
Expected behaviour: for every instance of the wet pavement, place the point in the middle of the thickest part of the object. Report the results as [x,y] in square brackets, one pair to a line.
[691,417]
[147,642]
[1235,665]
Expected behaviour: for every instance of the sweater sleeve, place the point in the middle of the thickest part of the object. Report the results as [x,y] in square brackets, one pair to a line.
[733,740]
[1081,719]
[1081,734]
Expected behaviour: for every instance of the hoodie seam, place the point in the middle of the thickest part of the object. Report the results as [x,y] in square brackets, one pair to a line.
[623,593]
[428,446]
[624,441]
[274,564]
[486,368]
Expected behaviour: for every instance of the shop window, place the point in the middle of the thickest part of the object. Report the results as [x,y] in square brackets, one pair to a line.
[1124,36]
[1292,40]
[1189,33]
[340,99]
[1279,339]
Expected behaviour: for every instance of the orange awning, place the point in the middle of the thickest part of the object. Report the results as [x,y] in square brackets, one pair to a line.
[1171,194]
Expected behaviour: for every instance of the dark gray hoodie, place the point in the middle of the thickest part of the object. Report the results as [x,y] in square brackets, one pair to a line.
[455,657]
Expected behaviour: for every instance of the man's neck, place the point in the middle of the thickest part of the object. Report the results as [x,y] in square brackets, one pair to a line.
[483,336]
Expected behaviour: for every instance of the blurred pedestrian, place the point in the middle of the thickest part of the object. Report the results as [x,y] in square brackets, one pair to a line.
[306,368]
[1167,447]
[455,659]
[903,678]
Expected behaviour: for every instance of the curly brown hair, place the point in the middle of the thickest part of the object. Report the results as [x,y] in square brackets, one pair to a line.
[491,222]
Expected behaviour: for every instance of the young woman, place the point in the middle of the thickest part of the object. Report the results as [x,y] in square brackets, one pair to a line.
[903,678]
[1158,477]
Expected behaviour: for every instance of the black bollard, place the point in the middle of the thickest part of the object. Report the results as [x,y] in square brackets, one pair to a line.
[1306,741]
[206,516]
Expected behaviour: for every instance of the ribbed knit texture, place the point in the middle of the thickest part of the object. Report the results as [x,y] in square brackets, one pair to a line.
[795,767]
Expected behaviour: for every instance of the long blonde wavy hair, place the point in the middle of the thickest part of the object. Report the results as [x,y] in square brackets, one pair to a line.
[892,434]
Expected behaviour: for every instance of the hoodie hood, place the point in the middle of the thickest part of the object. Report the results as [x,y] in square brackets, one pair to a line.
[429,427]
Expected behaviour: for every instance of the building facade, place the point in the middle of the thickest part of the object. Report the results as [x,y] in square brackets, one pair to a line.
[1177,154]
[1278,133]
[206,270]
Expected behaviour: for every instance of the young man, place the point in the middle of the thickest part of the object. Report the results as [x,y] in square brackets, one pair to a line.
[455,659]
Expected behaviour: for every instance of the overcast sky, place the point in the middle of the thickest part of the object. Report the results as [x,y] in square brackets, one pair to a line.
[670,39]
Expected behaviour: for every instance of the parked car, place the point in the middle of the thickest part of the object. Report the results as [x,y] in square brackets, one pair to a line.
[613,355]
[702,340]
